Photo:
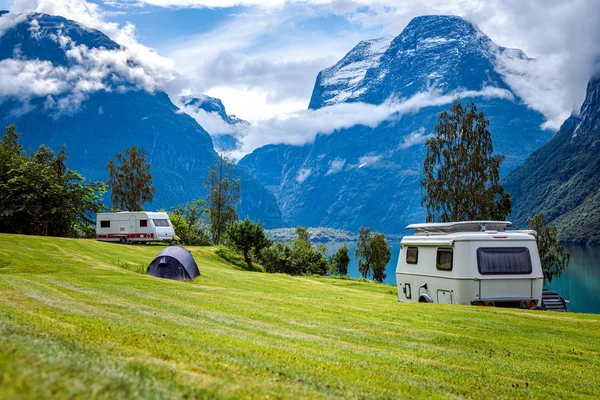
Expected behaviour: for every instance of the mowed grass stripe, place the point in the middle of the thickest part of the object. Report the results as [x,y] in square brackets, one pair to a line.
[233,333]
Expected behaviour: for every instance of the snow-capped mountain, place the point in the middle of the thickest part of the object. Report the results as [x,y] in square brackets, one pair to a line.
[211,105]
[363,176]
[210,112]
[63,83]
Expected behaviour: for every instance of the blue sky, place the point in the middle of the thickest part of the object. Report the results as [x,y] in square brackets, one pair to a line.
[261,57]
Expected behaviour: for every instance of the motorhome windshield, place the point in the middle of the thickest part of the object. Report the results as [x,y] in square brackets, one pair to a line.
[161,222]
[503,260]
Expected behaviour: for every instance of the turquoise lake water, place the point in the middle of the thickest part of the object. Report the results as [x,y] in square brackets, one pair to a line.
[579,284]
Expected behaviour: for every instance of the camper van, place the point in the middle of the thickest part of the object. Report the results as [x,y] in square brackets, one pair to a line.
[477,263]
[131,227]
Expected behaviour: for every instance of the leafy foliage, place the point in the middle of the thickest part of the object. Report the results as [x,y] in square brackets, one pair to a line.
[553,257]
[381,254]
[461,175]
[130,180]
[373,254]
[39,195]
[247,236]
[190,224]
[299,258]
[277,258]
[224,196]
[339,261]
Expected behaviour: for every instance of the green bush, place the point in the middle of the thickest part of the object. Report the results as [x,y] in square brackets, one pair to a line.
[299,258]
[189,223]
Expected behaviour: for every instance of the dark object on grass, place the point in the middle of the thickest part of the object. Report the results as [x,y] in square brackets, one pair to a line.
[174,262]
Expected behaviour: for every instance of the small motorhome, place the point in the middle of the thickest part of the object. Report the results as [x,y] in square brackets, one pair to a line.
[131,227]
[478,263]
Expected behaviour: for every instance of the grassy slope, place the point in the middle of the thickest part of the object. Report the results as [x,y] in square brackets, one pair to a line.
[73,324]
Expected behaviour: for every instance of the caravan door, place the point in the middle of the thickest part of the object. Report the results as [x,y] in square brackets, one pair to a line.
[132,224]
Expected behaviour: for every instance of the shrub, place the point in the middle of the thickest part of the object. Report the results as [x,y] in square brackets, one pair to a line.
[246,237]
[299,258]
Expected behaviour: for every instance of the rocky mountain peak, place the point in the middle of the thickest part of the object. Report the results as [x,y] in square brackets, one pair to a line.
[589,117]
[46,37]
[210,105]
[435,51]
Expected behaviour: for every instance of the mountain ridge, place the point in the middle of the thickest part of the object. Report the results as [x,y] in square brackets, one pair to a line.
[562,178]
[99,106]
[363,176]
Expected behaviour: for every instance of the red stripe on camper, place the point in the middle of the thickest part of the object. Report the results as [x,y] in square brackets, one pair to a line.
[127,235]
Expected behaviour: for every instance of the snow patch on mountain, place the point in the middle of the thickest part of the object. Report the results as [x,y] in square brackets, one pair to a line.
[342,79]
[303,174]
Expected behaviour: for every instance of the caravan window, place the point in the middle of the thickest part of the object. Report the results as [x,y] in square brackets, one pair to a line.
[161,222]
[412,255]
[143,223]
[443,260]
[104,224]
[503,260]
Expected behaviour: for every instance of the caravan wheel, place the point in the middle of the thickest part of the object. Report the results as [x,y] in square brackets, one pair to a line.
[123,240]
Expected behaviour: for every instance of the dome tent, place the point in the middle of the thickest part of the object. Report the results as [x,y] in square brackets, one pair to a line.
[174,262]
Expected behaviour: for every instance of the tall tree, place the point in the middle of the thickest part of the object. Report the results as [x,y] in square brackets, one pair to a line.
[553,256]
[224,196]
[381,254]
[247,236]
[363,252]
[372,253]
[339,261]
[130,180]
[461,175]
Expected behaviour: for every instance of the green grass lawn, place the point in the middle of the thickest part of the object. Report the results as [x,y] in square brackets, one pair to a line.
[76,321]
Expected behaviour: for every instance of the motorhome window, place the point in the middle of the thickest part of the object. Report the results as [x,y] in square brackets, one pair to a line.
[503,260]
[104,224]
[412,255]
[444,260]
[143,223]
[161,222]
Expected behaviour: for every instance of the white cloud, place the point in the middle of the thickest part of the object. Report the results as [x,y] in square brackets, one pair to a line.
[413,138]
[93,69]
[368,159]
[82,11]
[336,166]
[210,121]
[562,36]
[23,79]
[255,80]
[258,81]
[303,174]
[202,3]
[252,104]
[302,127]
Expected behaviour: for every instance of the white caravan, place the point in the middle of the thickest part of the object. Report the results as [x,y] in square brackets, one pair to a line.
[130,227]
[476,263]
